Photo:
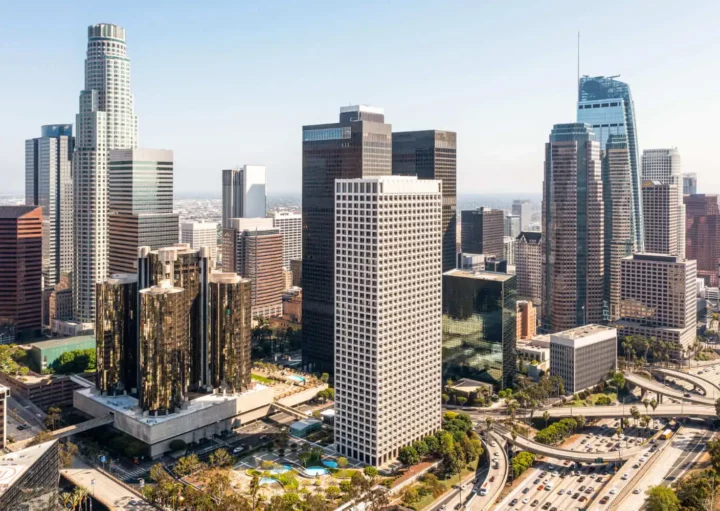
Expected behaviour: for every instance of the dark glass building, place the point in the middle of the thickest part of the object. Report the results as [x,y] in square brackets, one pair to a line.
[359,145]
[479,320]
[483,231]
[30,478]
[432,154]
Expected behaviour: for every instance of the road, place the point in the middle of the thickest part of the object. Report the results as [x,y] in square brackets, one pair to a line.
[659,388]
[709,388]
[495,479]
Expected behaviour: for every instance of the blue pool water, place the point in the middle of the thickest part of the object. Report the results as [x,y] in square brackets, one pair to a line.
[296,378]
[330,464]
[316,471]
[267,480]
[285,468]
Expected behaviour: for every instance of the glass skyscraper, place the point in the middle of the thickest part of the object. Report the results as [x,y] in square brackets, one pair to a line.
[607,105]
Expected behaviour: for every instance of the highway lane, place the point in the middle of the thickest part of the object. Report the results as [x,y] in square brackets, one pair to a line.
[710,389]
[659,388]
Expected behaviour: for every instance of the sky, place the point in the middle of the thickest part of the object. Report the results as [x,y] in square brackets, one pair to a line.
[228,83]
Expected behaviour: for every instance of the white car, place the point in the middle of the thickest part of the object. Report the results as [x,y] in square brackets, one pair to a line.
[636,491]
[625,476]
[555,473]
[526,500]
[561,492]
[238,450]
[613,491]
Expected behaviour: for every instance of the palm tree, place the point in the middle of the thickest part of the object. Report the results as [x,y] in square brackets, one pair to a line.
[646,403]
[489,422]
[82,496]
[512,407]
[513,433]
[546,416]
[253,491]
[66,499]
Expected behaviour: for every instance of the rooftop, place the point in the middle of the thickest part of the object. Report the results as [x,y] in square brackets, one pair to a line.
[16,211]
[660,258]
[480,275]
[583,331]
[362,108]
[65,341]
[15,464]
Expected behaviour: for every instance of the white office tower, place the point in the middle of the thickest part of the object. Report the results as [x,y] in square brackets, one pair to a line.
[388,310]
[243,193]
[48,183]
[106,121]
[665,166]
[290,225]
[200,234]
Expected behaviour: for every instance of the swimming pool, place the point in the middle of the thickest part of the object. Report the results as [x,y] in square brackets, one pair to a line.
[330,463]
[267,480]
[280,470]
[296,378]
[316,471]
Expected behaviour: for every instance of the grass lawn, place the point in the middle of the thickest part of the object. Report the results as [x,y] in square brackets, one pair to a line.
[590,401]
[261,379]
[448,484]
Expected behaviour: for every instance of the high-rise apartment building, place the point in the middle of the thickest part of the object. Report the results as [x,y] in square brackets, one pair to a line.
[21,294]
[572,217]
[689,183]
[665,166]
[606,104]
[583,356]
[48,183]
[141,205]
[526,320]
[432,154]
[200,234]
[703,235]
[523,209]
[106,121]
[388,298]
[253,248]
[290,225]
[660,215]
[479,322]
[482,231]
[659,298]
[528,267]
[617,197]
[243,193]
[359,145]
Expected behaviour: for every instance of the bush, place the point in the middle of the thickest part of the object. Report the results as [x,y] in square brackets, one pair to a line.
[556,432]
[603,401]
[178,445]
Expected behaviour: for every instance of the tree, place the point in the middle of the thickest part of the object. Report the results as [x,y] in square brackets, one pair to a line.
[187,465]
[177,445]
[661,498]
[646,402]
[332,492]
[254,491]
[342,462]
[546,416]
[462,400]
[52,417]
[618,380]
[370,471]
[67,452]
[713,447]
[304,457]
[489,422]
[635,413]
[445,398]
[325,377]
[220,458]
[717,407]
[42,437]
[410,496]
[433,445]
[409,456]
[421,448]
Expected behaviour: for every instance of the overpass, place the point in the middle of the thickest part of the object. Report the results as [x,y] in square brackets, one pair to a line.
[664,390]
[83,426]
[709,389]
[611,412]
[289,410]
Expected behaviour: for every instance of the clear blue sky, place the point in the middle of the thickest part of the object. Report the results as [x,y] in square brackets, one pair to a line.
[226,83]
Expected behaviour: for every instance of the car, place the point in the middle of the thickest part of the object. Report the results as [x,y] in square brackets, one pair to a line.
[637,491]
[238,450]
[581,479]
[590,490]
[575,495]
[583,498]
[525,490]
[553,508]
[537,481]
[613,491]
[636,465]
[21,427]
[443,507]
[582,488]
[566,463]
[492,479]
[583,441]
[546,505]
[555,473]
[458,506]
[492,443]
[526,500]
[513,502]
[604,499]
[551,467]
[543,474]
[599,480]
[561,492]
[592,476]
[540,487]
[625,476]
[534,503]
[687,394]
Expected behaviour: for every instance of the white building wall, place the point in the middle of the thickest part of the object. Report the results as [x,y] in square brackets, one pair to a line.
[290,225]
[200,234]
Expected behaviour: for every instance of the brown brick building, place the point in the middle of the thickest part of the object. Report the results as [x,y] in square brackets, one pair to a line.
[702,239]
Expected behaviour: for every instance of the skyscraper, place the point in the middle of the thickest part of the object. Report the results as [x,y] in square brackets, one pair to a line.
[703,235]
[482,231]
[607,105]
[48,183]
[141,205]
[617,196]
[20,273]
[523,209]
[359,145]
[528,267]
[243,193]
[388,267]
[665,166]
[200,234]
[432,154]
[660,214]
[512,225]
[290,225]
[572,217]
[106,121]
[689,183]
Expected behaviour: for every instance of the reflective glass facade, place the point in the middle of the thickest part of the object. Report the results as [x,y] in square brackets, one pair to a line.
[37,487]
[479,323]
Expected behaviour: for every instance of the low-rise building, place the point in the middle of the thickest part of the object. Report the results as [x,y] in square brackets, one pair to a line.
[292,304]
[45,353]
[583,356]
[29,478]
[44,390]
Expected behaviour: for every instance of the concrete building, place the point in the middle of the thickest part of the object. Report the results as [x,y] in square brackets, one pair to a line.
[59,301]
[292,304]
[253,248]
[479,321]
[359,145]
[44,390]
[659,298]
[660,210]
[388,266]
[583,356]
[106,121]
[45,354]
[526,320]
[573,220]
[703,235]
[512,225]
[689,183]
[30,478]
[432,154]
[48,183]
[200,234]
[528,267]
[296,269]
[523,209]
[617,197]
[243,193]
[290,225]
[665,166]
[21,296]
[482,231]
[509,252]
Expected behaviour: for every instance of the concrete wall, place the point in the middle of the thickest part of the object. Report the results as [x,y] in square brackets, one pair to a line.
[302,397]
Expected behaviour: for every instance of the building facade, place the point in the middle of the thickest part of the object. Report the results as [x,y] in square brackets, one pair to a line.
[512,225]
[526,320]
[358,146]
[523,209]
[48,183]
[31,478]
[665,166]
[689,183]
[244,193]
[573,218]
[583,356]
[4,394]
[388,266]
[659,299]
[141,205]
[660,215]
[482,231]
[528,267]
[703,235]
[432,154]
[290,225]
[201,234]
[106,121]
[479,322]
[606,104]
[21,295]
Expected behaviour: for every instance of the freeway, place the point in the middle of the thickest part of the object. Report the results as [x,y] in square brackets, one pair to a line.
[709,389]
[671,410]
[495,478]
[664,390]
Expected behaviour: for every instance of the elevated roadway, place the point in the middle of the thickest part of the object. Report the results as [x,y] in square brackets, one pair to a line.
[664,390]
[610,412]
[709,389]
